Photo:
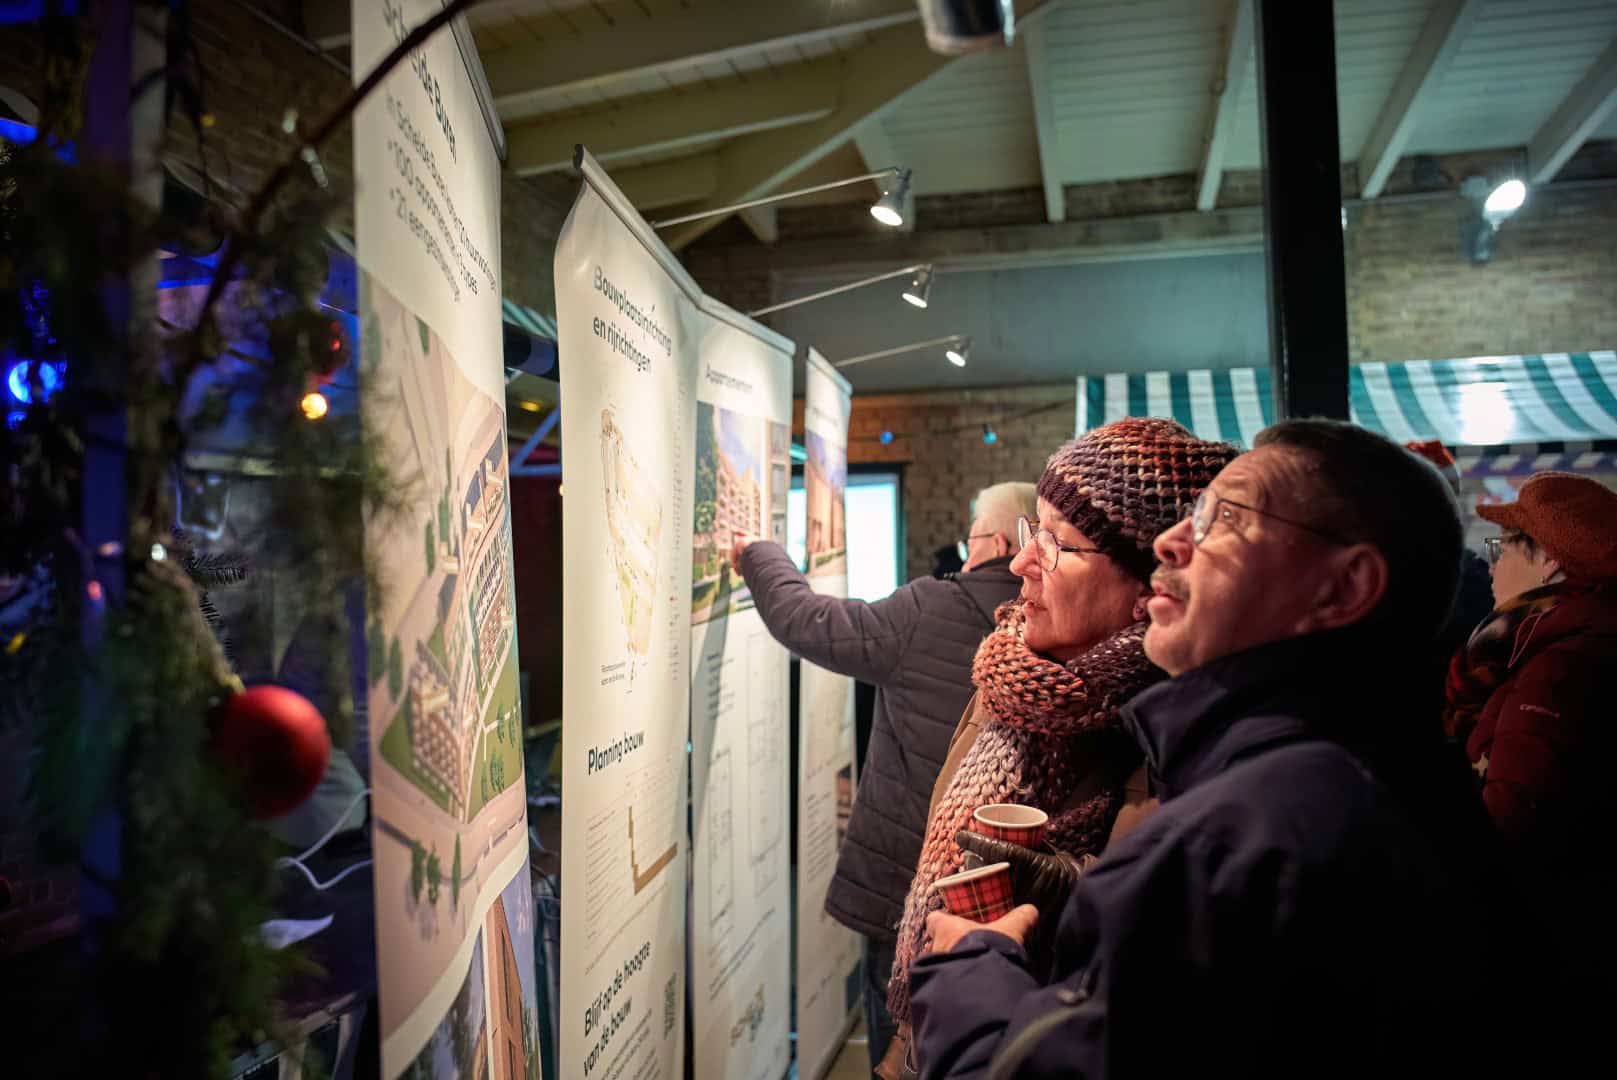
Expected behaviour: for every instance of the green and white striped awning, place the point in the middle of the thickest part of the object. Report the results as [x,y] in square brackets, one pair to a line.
[1492,401]
[526,318]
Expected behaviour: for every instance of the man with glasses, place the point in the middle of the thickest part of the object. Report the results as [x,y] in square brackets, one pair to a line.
[915,647]
[1316,895]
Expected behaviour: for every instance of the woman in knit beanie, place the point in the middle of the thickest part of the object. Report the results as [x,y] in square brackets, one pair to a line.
[1044,727]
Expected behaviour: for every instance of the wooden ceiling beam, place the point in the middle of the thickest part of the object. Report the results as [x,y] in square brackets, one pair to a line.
[1044,123]
[892,62]
[1434,50]
[1226,100]
[1570,126]
[659,123]
[533,78]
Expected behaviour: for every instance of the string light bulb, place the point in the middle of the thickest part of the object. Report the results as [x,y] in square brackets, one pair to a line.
[990,436]
[314,405]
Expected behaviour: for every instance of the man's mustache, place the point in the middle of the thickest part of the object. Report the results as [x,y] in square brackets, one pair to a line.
[1170,583]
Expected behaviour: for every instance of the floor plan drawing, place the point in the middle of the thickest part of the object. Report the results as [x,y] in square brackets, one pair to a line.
[634,521]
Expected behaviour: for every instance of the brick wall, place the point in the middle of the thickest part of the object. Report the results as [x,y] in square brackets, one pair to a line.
[938,441]
[1551,287]
[532,210]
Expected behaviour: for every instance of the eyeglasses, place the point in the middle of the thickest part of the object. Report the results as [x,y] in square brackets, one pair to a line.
[1212,508]
[1492,548]
[1050,548]
[963,546]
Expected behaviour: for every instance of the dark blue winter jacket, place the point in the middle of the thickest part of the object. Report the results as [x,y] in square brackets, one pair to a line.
[1310,899]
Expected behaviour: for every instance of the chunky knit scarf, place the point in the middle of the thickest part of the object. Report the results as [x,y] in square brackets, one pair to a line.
[1051,729]
[1496,646]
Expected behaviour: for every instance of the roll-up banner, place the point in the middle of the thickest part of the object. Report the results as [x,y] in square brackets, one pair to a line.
[740,924]
[828,954]
[675,443]
[454,910]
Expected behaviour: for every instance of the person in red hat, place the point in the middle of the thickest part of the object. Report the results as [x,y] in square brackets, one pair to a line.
[1530,698]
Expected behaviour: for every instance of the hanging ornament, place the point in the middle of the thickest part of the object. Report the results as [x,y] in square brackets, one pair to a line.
[277,741]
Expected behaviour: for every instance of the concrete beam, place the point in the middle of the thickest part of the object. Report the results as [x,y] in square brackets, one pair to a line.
[892,62]
[531,79]
[1434,50]
[669,183]
[1067,243]
[1584,110]
[663,122]
[1044,123]
[1226,99]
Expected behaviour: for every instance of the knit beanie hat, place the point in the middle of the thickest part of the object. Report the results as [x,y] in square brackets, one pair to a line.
[1125,483]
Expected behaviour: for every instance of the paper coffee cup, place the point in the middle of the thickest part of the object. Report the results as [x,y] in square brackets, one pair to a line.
[1011,822]
[981,895]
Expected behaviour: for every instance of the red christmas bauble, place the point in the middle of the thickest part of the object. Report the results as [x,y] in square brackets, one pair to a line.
[277,741]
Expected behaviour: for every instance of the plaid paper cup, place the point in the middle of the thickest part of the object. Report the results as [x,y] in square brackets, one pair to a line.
[1011,822]
[981,895]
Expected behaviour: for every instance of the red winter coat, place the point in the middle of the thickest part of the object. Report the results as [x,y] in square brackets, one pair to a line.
[1543,742]
[1543,745]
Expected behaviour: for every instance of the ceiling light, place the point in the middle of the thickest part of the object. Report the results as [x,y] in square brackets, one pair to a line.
[958,352]
[1493,199]
[954,27]
[1505,199]
[889,209]
[920,288]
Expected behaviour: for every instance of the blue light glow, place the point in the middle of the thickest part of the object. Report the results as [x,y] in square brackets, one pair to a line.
[20,387]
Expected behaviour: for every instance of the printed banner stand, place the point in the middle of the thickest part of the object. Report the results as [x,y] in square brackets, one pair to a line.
[454,908]
[740,923]
[828,953]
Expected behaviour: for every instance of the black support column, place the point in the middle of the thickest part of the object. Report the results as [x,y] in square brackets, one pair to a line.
[1302,207]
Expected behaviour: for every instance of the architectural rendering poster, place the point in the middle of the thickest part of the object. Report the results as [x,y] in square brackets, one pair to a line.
[448,803]
[628,352]
[828,954]
[740,921]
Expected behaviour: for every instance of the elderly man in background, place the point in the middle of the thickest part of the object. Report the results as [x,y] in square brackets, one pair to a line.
[915,646]
[1312,898]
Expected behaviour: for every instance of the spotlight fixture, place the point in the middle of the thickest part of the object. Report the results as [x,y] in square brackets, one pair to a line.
[990,436]
[920,288]
[1493,200]
[917,292]
[954,27]
[889,209]
[1503,201]
[956,347]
